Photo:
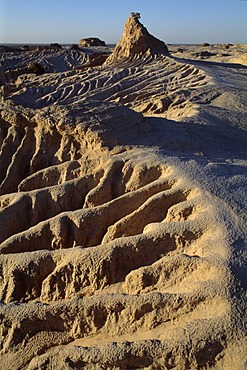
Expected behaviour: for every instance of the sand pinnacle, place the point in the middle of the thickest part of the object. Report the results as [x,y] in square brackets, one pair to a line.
[136,40]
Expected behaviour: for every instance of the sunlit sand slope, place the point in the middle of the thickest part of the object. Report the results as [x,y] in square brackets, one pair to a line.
[151,85]
[102,246]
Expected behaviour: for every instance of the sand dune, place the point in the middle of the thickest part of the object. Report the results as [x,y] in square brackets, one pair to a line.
[123,213]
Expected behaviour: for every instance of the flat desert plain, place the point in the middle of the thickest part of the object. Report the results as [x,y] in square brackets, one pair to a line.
[123,206]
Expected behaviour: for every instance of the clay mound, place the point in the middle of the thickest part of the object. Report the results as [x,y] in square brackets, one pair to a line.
[91,41]
[136,41]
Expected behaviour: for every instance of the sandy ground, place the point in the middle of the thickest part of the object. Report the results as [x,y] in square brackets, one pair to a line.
[123,211]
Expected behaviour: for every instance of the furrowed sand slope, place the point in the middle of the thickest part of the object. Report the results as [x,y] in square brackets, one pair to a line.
[122,213]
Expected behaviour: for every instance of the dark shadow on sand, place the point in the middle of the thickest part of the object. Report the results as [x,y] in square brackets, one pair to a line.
[204,62]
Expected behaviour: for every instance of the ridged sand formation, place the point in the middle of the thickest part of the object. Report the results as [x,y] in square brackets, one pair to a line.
[109,244]
[138,74]
[112,255]
[151,85]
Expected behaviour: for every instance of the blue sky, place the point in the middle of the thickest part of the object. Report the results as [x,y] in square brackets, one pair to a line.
[173,21]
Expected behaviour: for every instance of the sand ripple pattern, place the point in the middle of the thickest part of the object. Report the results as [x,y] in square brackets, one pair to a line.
[105,247]
[151,85]
[13,64]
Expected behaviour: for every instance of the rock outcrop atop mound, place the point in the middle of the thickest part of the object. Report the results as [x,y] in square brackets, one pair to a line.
[136,40]
[91,41]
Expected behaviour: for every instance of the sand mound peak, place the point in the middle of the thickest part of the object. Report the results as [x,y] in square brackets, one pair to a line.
[136,40]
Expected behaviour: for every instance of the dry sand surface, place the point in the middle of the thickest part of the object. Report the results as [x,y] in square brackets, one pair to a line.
[123,207]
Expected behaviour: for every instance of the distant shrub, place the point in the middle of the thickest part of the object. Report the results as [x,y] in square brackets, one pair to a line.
[205,44]
[225,46]
[36,68]
[135,15]
[74,47]
[5,49]
[55,45]
[25,48]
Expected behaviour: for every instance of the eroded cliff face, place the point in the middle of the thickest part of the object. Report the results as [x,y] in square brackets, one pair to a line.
[136,41]
[107,254]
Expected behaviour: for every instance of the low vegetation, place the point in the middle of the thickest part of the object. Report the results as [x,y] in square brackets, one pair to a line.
[36,68]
